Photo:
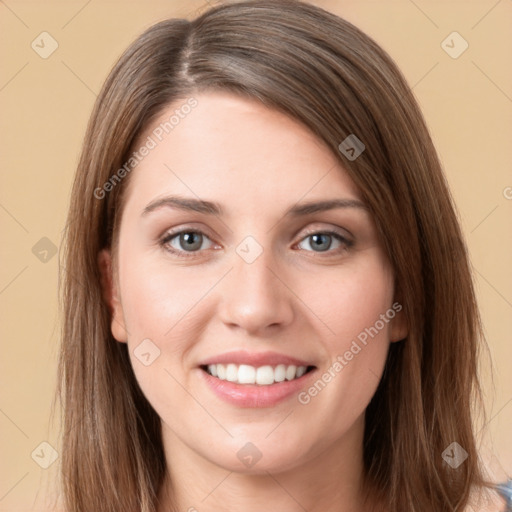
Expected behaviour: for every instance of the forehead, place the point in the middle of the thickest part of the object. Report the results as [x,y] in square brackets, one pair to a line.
[238,152]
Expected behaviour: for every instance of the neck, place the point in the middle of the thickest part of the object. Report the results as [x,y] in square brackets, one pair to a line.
[330,481]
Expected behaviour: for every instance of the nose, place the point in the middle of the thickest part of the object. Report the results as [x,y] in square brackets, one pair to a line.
[255,296]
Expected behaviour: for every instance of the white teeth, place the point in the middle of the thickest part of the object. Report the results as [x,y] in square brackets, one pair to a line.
[246,374]
[301,370]
[290,372]
[221,371]
[280,373]
[263,375]
[232,372]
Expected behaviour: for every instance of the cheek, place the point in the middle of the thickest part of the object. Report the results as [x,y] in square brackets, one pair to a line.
[358,309]
[155,301]
[157,297]
[351,300]
[160,304]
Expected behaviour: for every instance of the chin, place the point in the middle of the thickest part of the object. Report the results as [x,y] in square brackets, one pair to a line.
[258,458]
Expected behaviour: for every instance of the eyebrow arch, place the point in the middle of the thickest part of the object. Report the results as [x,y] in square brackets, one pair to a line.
[184,203]
[321,206]
[212,208]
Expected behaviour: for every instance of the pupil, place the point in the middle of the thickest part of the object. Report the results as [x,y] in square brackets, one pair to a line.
[188,237]
[320,237]
[321,241]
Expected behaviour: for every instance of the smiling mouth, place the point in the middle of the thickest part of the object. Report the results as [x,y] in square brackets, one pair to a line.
[261,376]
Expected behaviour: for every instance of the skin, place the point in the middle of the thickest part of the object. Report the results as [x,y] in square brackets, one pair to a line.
[293,299]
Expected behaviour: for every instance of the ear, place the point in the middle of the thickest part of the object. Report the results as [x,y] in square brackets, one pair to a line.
[111,296]
[399,328]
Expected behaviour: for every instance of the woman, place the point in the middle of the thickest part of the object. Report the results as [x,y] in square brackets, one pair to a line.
[267,299]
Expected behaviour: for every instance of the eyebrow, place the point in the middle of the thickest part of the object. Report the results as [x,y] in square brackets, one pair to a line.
[213,208]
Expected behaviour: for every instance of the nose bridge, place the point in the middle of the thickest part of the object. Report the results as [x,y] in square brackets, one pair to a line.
[254,298]
[252,267]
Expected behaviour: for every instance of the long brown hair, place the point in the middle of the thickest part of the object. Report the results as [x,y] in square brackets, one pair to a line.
[327,74]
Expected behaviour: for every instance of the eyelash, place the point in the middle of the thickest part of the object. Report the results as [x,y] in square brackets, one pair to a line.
[164,242]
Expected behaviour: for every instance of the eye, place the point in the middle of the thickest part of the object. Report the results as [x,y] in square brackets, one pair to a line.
[188,242]
[183,242]
[321,241]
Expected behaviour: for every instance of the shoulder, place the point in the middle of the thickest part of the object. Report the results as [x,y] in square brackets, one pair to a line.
[486,500]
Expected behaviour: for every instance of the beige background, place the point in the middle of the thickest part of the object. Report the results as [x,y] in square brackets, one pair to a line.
[45,104]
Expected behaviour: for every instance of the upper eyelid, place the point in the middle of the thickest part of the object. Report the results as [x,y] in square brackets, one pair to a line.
[185,228]
[336,230]
[170,235]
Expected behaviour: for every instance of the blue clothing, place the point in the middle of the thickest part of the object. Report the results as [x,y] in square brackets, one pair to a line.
[505,491]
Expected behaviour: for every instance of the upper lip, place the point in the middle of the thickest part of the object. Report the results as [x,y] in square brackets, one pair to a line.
[254,359]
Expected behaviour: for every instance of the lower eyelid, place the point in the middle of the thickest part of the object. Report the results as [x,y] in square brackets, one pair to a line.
[345,243]
[165,241]
[167,238]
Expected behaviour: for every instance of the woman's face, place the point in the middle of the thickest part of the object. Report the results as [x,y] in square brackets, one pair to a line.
[257,281]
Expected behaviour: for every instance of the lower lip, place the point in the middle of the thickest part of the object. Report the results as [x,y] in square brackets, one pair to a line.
[252,395]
